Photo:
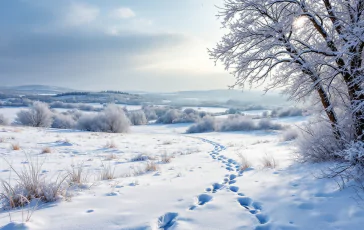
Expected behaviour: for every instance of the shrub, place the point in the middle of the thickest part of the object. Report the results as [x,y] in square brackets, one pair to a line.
[151,166]
[353,153]
[266,124]
[76,175]
[233,111]
[244,162]
[63,121]
[232,123]
[112,120]
[269,161]
[107,172]
[154,112]
[110,145]
[237,123]
[39,115]
[15,146]
[30,184]
[289,135]
[287,112]
[46,150]
[137,117]
[3,120]
[207,124]
[317,143]
[170,116]
[165,158]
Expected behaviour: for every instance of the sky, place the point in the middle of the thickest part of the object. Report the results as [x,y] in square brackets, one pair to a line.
[148,45]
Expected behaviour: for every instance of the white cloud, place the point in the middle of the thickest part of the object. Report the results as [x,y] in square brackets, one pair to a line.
[123,13]
[80,14]
[191,57]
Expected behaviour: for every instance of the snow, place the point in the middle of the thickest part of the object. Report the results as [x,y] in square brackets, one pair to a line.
[200,189]
[10,112]
[207,109]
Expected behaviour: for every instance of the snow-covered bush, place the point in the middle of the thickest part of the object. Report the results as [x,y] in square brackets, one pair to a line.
[154,112]
[170,116]
[3,120]
[237,123]
[267,124]
[39,115]
[88,122]
[63,121]
[317,143]
[354,153]
[233,111]
[287,112]
[206,124]
[60,104]
[232,123]
[76,114]
[289,135]
[137,117]
[150,114]
[174,116]
[112,120]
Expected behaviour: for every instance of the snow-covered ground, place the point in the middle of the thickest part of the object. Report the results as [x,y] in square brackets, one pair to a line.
[201,188]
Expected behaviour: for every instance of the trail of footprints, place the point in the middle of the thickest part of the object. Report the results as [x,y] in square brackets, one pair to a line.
[255,208]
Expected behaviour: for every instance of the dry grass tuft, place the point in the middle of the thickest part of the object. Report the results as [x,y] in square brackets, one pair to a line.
[269,161]
[110,145]
[76,175]
[30,184]
[151,166]
[165,158]
[244,162]
[107,172]
[46,150]
[111,156]
[15,146]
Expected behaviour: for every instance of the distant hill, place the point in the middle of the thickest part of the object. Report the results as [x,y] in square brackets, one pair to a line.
[223,96]
[34,89]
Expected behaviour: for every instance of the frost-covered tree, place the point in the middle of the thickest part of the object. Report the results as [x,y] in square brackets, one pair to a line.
[38,115]
[305,46]
[112,120]
[137,117]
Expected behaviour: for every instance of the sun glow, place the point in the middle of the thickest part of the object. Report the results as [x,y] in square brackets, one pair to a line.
[299,22]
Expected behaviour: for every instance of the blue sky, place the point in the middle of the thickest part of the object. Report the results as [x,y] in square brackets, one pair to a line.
[152,45]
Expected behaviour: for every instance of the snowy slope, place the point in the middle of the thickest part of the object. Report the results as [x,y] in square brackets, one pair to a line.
[202,187]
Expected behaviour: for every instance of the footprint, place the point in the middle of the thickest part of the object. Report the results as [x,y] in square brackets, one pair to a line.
[232,182]
[112,194]
[257,205]
[245,201]
[167,220]
[90,211]
[217,186]
[232,176]
[203,199]
[234,188]
[193,207]
[262,218]
[306,206]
